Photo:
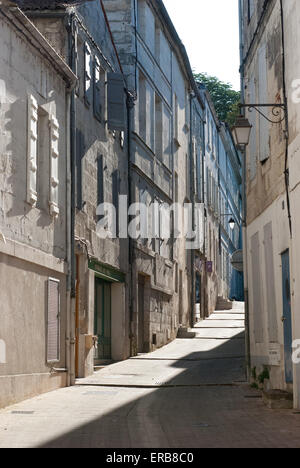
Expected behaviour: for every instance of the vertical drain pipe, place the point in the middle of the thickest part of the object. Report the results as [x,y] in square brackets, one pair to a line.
[72,64]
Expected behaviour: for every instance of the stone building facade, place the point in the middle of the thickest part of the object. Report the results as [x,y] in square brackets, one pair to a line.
[99,112]
[230,209]
[100,264]
[270,66]
[159,75]
[35,86]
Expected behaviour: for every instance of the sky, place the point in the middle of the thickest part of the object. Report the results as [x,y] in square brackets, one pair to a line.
[209,30]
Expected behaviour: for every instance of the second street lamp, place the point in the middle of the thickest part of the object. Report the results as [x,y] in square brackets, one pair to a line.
[241,131]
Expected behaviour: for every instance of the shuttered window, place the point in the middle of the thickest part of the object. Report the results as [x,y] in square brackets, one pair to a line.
[100,183]
[54,157]
[116,192]
[88,70]
[80,148]
[97,90]
[32,147]
[116,102]
[53,321]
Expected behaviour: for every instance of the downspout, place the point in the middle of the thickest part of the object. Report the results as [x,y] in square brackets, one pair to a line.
[130,106]
[192,194]
[244,214]
[68,201]
[72,64]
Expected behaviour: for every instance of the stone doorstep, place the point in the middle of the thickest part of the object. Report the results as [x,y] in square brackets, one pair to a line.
[184,333]
[278,399]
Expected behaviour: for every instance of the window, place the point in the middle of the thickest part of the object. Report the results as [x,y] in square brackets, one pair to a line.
[116,193]
[141,17]
[115,102]
[176,188]
[187,175]
[176,119]
[100,182]
[157,41]
[142,106]
[158,128]
[54,169]
[199,173]
[88,70]
[53,321]
[97,90]
[32,148]
[250,9]
[43,160]
[79,157]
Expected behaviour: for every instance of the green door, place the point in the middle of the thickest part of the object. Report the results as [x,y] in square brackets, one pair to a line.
[103,320]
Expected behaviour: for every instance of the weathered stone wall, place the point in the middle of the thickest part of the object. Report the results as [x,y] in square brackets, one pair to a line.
[158,80]
[266,191]
[32,244]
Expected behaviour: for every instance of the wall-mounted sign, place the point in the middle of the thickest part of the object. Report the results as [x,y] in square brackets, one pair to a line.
[274,354]
[209,267]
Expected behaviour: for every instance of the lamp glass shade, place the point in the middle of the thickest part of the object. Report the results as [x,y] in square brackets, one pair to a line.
[232,224]
[241,131]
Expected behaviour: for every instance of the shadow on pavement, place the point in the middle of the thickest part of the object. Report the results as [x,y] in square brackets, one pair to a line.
[173,414]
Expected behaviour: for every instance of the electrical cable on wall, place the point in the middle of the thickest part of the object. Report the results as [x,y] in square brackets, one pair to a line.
[286,168]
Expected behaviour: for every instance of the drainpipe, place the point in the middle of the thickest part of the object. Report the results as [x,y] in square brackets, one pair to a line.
[244,216]
[192,194]
[68,183]
[130,106]
[72,64]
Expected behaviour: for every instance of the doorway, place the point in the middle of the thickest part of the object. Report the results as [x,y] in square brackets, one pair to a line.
[198,297]
[103,320]
[141,314]
[287,316]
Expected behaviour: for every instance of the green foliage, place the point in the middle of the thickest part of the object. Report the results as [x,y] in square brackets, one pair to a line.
[224,97]
[265,375]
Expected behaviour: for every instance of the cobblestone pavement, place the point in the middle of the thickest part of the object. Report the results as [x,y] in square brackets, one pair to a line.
[189,394]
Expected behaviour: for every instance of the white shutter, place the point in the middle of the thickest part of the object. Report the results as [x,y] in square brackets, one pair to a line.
[32,146]
[53,321]
[88,74]
[54,155]
[97,90]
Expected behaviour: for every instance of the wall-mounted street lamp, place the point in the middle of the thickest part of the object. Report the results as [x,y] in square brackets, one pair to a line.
[242,128]
[231,221]
[241,131]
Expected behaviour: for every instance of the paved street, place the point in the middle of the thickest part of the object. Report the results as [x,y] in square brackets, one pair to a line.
[191,393]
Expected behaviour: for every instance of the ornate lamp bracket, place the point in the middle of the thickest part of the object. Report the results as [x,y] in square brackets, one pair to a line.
[278,111]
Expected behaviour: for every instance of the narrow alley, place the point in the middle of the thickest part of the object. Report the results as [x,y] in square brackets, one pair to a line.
[191,393]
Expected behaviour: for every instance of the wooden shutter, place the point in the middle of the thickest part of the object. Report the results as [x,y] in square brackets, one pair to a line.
[79,156]
[116,192]
[257,289]
[116,102]
[32,146]
[53,321]
[100,183]
[88,70]
[270,282]
[54,157]
[97,90]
